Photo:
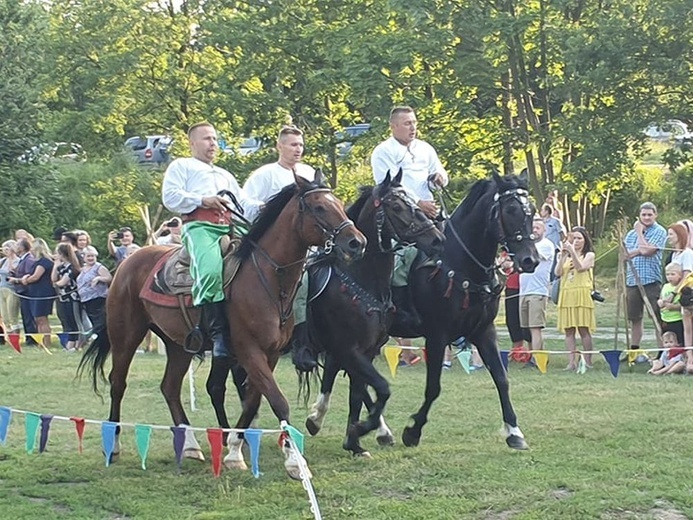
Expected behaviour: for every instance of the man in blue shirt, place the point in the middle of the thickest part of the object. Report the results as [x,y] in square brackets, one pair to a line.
[644,244]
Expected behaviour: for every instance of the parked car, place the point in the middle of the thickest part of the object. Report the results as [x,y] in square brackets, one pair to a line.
[151,149]
[249,145]
[53,152]
[672,129]
[344,142]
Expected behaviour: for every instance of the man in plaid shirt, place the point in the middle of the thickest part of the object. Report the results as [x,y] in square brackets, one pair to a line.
[644,244]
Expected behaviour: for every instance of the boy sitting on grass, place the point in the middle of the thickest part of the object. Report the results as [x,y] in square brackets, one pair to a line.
[672,360]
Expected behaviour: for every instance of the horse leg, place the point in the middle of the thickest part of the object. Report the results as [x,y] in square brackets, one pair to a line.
[383,434]
[435,349]
[216,388]
[234,459]
[367,375]
[319,409]
[177,364]
[357,389]
[124,342]
[488,351]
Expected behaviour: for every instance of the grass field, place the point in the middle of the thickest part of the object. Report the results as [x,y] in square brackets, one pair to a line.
[600,448]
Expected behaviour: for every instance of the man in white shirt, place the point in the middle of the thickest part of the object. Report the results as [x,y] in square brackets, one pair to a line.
[270,179]
[534,288]
[194,188]
[263,184]
[419,163]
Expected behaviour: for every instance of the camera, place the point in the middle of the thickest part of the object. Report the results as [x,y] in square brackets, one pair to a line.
[597,296]
[118,234]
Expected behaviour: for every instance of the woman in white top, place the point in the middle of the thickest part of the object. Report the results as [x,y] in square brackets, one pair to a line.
[678,237]
[9,303]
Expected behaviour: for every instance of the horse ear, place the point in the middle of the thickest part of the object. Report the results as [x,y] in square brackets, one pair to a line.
[496,175]
[319,177]
[398,177]
[302,183]
[524,176]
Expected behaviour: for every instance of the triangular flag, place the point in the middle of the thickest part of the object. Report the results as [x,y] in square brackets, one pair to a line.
[542,360]
[14,341]
[64,337]
[5,418]
[215,436]
[31,425]
[178,443]
[504,358]
[392,358]
[45,428]
[143,433]
[633,355]
[38,338]
[252,437]
[108,435]
[464,357]
[582,366]
[79,426]
[295,435]
[612,357]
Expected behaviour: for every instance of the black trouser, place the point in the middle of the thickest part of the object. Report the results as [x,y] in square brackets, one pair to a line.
[96,310]
[68,319]
[28,321]
[512,316]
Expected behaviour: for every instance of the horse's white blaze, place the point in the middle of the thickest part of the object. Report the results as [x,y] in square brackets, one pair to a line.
[234,459]
[512,430]
[319,409]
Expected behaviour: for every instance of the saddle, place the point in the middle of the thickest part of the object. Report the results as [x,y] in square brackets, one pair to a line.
[170,280]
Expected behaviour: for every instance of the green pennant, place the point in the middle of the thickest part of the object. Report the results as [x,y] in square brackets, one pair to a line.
[143,434]
[296,436]
[31,426]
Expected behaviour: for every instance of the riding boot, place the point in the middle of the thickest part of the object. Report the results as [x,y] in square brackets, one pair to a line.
[302,355]
[216,327]
[406,316]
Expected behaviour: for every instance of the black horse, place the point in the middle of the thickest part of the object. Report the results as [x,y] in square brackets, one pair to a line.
[350,318]
[459,296]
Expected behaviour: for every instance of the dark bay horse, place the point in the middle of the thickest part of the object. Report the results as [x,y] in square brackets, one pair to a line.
[461,296]
[258,306]
[351,317]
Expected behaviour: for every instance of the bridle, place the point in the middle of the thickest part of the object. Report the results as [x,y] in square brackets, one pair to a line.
[413,230]
[330,234]
[499,199]
[284,303]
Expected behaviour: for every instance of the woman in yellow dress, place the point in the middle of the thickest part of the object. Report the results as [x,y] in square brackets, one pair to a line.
[575,304]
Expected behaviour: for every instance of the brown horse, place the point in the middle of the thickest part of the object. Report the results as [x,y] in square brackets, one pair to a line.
[258,307]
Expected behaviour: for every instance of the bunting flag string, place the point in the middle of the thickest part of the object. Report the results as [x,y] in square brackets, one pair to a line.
[5,419]
[45,428]
[215,436]
[541,357]
[79,428]
[143,434]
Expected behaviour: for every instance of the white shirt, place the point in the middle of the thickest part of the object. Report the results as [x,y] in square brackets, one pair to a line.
[538,281]
[268,180]
[418,161]
[188,180]
[684,259]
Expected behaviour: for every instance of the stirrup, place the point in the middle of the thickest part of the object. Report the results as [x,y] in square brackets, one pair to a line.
[194,341]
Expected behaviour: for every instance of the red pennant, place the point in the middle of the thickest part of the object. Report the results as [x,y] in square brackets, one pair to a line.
[79,426]
[215,436]
[14,341]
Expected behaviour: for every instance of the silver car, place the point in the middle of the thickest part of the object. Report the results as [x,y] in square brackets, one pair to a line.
[151,149]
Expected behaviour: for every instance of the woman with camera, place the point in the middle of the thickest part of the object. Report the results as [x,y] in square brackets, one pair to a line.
[575,304]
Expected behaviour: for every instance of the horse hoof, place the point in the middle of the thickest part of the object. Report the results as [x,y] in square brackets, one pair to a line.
[238,465]
[516,442]
[194,453]
[114,457]
[385,440]
[364,455]
[410,438]
[312,427]
[294,472]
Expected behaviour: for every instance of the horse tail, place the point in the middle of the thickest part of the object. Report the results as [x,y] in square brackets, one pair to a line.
[306,381]
[94,358]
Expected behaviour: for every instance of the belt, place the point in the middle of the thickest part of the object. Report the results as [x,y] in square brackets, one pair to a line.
[213,216]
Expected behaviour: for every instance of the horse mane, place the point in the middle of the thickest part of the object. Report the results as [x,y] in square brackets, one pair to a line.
[478,189]
[268,216]
[355,209]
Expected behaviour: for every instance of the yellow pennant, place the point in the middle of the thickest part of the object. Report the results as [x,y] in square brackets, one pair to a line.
[38,338]
[633,355]
[542,360]
[392,357]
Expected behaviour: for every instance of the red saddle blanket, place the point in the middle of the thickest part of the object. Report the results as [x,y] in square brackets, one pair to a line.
[153,292]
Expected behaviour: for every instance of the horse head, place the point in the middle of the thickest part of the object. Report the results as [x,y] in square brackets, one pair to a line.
[515,215]
[323,220]
[400,218]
